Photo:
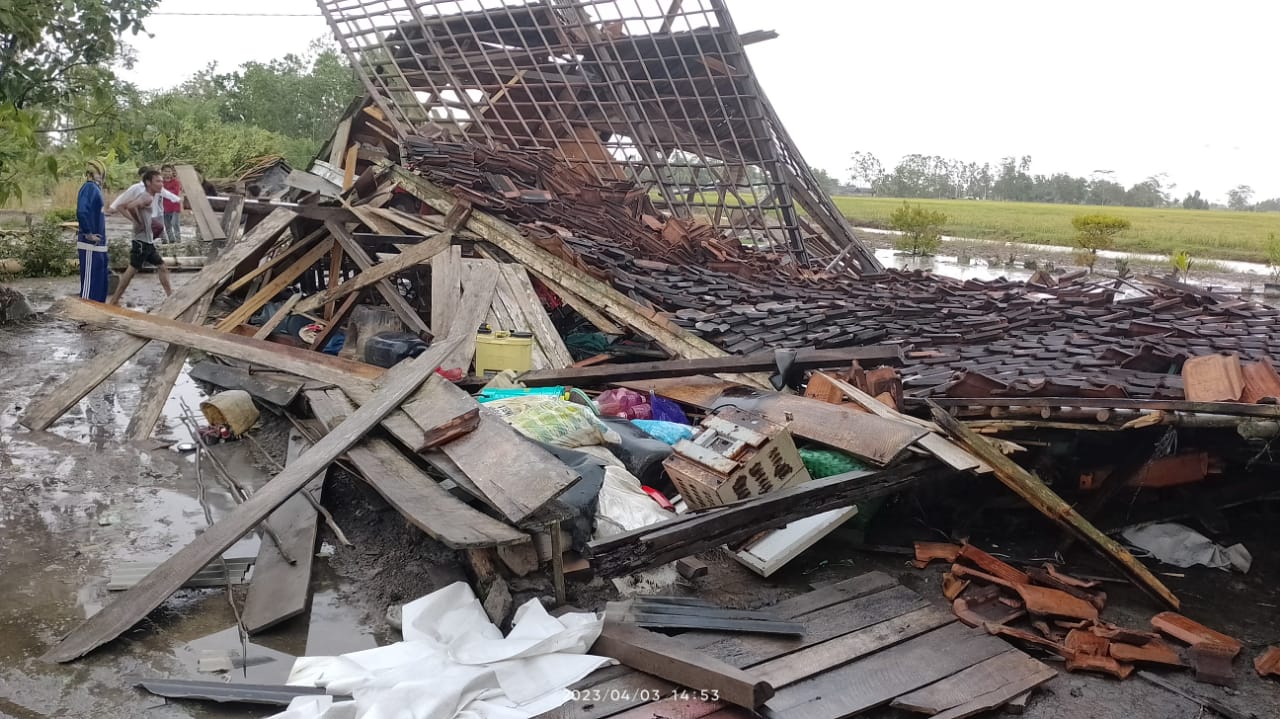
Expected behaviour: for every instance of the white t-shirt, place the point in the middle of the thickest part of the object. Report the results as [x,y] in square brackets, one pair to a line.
[135,192]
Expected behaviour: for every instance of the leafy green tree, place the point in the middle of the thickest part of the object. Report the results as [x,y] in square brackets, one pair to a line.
[829,184]
[865,170]
[1238,197]
[921,229]
[1094,233]
[53,55]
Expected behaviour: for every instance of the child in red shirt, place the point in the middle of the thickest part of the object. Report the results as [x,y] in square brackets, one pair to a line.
[172,208]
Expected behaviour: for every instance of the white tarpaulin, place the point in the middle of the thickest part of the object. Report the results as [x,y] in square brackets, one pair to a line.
[454,663]
[1183,546]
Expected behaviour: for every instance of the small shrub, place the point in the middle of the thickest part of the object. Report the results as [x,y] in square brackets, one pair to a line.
[45,253]
[1273,256]
[1180,261]
[1122,268]
[63,215]
[1094,233]
[921,229]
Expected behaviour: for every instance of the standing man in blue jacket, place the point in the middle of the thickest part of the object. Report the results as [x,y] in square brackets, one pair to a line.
[91,235]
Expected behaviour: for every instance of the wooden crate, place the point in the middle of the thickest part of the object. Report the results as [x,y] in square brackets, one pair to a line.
[734,455]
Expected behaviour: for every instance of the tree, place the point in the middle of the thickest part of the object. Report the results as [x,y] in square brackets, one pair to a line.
[1268,205]
[1238,197]
[920,228]
[1094,233]
[865,169]
[829,184]
[1195,202]
[54,54]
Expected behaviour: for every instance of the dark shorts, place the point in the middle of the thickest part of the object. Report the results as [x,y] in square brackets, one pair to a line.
[144,253]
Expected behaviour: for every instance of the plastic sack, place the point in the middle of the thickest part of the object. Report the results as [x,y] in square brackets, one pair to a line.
[554,421]
[665,410]
[621,402]
[669,432]
[828,462]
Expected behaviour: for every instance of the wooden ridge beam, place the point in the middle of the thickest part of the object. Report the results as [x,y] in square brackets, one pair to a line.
[410,256]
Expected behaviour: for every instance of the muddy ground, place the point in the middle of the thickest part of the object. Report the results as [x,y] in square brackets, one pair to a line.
[78,500]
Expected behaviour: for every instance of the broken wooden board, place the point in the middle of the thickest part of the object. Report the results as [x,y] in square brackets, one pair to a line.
[446,289]
[69,390]
[1044,499]
[989,683]
[479,283]
[279,590]
[880,678]
[148,594]
[787,670]
[525,304]
[408,489]
[866,436]
[278,388]
[270,290]
[664,657]
[666,369]
[206,219]
[159,385]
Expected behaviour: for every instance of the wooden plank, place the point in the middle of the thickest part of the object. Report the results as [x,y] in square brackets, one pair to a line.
[394,299]
[349,166]
[156,393]
[582,307]
[1044,499]
[756,362]
[996,673]
[854,688]
[338,146]
[536,315]
[938,446]
[288,276]
[331,326]
[45,411]
[479,282]
[206,219]
[517,476]
[280,315]
[690,534]
[413,494]
[664,657]
[334,277]
[506,313]
[279,590]
[789,669]
[446,289]
[281,255]
[136,603]
[274,387]
[694,621]
[312,365]
[997,697]
[412,255]
[866,436]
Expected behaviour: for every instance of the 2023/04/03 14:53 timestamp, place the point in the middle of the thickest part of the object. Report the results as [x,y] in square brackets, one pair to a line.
[643,695]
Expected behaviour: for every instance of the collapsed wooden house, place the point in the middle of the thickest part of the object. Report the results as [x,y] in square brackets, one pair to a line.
[565,169]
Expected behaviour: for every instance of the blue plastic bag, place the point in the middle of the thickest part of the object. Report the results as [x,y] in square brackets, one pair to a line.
[669,432]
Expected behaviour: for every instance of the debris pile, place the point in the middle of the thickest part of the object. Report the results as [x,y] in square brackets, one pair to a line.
[520,336]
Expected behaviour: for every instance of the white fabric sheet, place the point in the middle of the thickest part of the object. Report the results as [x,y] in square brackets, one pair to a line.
[455,664]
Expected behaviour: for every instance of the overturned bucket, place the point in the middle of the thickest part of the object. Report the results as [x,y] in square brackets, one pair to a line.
[233,409]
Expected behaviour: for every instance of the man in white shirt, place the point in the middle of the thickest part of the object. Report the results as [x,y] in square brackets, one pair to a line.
[137,205]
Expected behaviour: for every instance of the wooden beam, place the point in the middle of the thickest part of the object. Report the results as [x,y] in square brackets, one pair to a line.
[666,658]
[349,166]
[257,208]
[690,534]
[582,307]
[280,256]
[407,314]
[331,326]
[446,289]
[1044,499]
[160,385]
[45,411]
[338,146]
[279,590]
[415,495]
[334,277]
[412,255]
[250,306]
[757,362]
[312,365]
[535,315]
[210,228]
[280,315]
[117,617]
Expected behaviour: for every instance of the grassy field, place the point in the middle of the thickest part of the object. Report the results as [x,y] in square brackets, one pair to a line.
[1207,234]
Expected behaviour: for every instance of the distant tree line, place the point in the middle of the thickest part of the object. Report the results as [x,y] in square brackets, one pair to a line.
[934,177]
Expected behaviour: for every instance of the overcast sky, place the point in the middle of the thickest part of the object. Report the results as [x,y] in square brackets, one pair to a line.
[1134,87]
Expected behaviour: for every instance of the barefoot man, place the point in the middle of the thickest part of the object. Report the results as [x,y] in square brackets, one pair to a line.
[135,204]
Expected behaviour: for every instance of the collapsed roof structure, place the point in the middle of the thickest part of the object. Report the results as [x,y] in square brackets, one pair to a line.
[650,96]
